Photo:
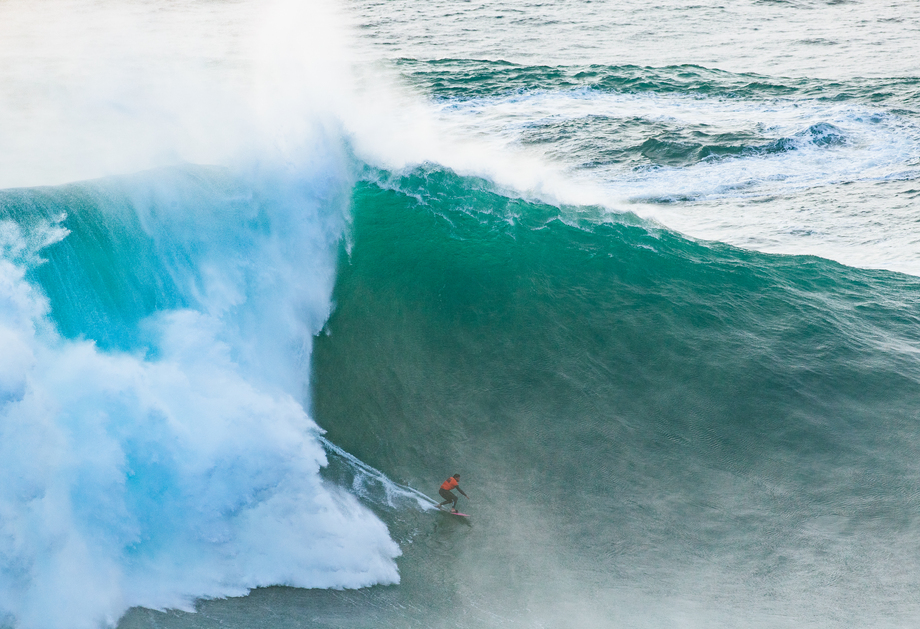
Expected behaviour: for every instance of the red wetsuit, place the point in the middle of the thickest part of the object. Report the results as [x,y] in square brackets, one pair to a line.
[445,490]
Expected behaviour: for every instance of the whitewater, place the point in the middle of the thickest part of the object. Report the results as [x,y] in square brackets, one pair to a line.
[645,275]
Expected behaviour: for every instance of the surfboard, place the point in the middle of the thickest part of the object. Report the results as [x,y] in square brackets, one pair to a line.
[449,512]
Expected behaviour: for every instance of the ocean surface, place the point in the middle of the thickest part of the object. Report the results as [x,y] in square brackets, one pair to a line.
[647,275]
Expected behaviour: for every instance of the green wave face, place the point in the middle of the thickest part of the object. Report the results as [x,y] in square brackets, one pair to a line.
[632,413]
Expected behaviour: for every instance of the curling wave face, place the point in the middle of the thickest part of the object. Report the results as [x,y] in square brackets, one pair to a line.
[651,429]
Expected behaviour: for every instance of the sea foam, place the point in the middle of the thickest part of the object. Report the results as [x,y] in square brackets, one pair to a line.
[182,469]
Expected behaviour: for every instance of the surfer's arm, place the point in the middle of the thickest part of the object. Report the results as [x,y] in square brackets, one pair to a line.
[462,492]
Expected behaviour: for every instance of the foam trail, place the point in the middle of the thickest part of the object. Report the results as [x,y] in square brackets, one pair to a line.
[364,473]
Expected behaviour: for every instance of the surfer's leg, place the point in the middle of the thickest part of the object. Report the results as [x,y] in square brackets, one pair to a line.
[447,496]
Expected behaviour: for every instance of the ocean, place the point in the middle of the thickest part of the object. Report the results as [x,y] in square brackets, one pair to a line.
[646,275]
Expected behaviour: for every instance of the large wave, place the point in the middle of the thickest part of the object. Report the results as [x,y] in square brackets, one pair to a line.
[653,431]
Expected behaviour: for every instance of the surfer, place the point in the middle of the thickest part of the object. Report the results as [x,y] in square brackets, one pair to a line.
[451,483]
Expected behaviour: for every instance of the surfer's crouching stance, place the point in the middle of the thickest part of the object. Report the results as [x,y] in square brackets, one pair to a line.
[451,483]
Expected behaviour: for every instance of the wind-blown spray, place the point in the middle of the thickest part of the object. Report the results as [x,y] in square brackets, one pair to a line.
[155,329]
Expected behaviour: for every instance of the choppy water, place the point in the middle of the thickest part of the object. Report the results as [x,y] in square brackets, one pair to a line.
[644,274]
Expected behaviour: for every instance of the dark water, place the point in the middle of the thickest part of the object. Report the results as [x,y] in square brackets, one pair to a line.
[638,415]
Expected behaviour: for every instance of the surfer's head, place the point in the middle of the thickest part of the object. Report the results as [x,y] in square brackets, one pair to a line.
[457,476]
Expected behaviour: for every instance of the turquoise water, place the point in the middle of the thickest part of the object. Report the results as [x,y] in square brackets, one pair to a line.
[644,275]
[644,418]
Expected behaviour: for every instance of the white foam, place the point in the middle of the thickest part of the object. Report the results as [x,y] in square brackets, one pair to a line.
[135,482]
[95,88]
[372,484]
[193,473]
